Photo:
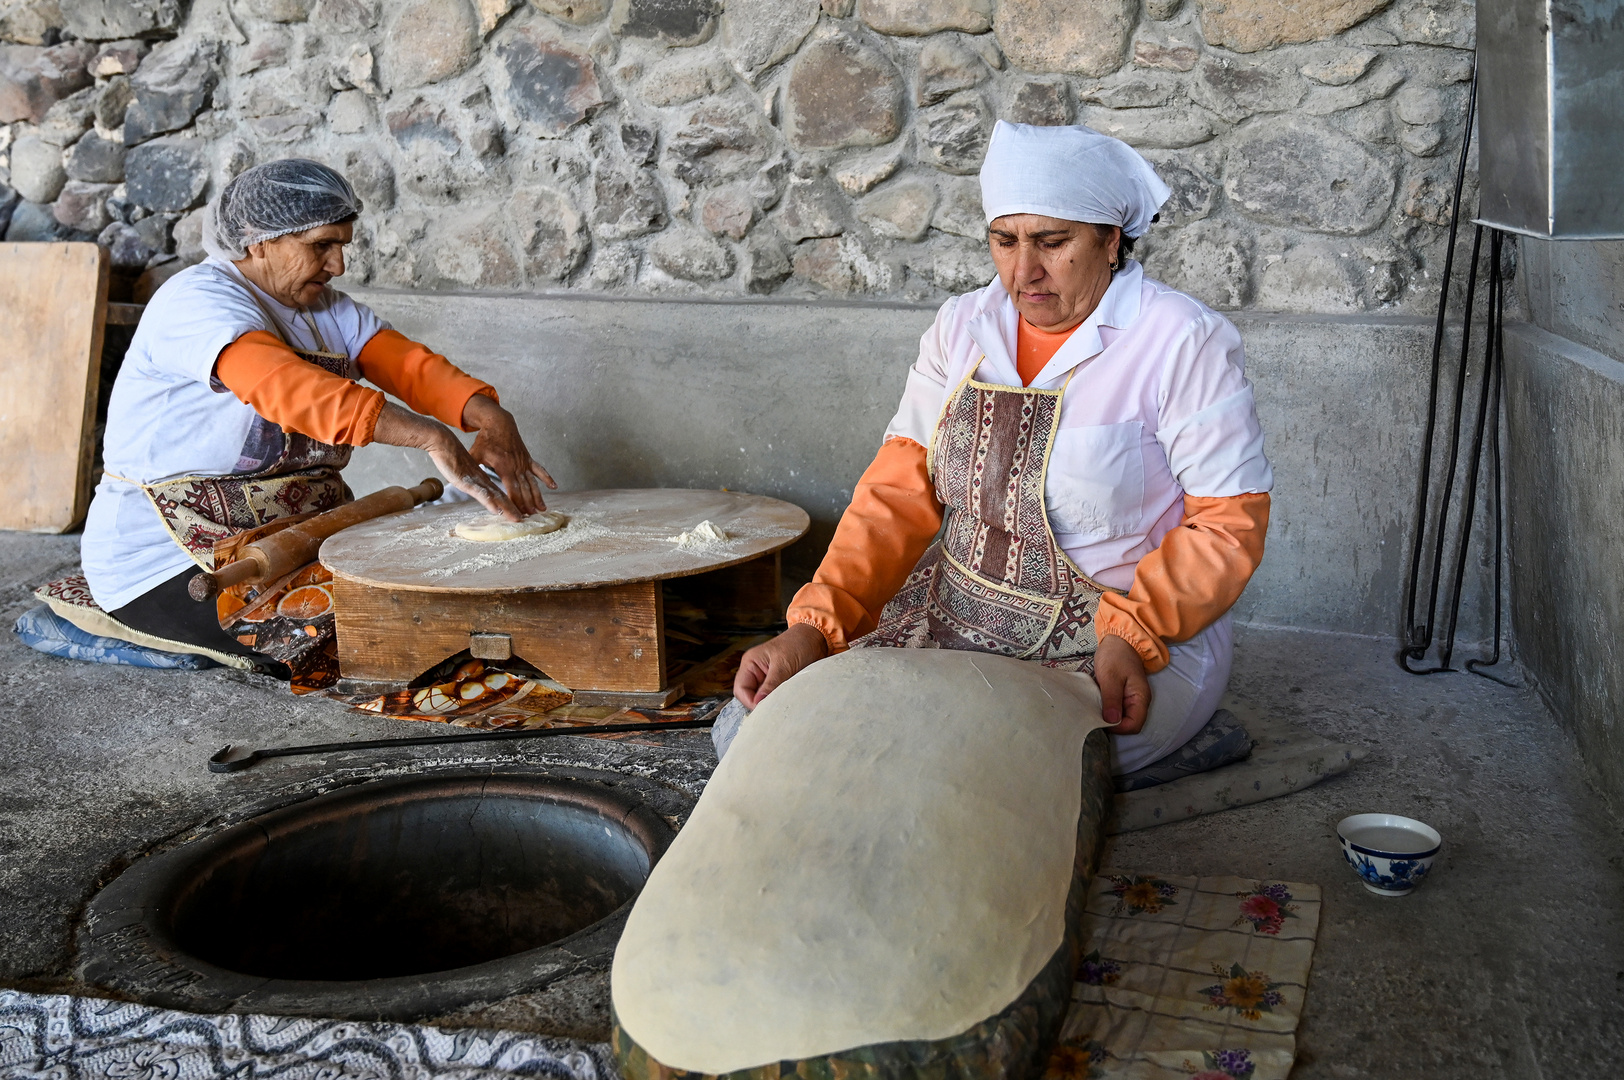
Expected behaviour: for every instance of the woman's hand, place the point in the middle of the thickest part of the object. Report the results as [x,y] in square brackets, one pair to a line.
[1124,687]
[399,426]
[767,665]
[500,446]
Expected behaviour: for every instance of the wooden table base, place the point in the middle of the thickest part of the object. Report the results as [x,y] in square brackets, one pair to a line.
[607,644]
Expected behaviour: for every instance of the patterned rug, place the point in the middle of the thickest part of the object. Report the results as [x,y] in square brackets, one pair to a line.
[1185,978]
[62,1037]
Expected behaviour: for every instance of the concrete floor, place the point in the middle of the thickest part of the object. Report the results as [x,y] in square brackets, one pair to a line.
[1509,962]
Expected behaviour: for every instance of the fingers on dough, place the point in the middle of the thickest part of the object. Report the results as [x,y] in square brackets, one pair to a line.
[496,529]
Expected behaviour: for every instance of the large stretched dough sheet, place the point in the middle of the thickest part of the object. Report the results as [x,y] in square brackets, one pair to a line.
[883,854]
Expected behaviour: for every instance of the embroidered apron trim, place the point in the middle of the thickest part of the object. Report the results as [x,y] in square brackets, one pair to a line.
[996,580]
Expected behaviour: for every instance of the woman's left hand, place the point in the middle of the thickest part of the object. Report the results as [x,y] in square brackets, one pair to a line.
[500,446]
[1124,686]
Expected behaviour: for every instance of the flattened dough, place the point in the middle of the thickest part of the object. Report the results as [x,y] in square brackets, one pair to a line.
[884,854]
[495,528]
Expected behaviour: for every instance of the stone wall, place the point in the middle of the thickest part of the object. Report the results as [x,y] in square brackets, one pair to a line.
[736,147]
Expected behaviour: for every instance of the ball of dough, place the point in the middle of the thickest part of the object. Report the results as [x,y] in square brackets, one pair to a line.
[495,528]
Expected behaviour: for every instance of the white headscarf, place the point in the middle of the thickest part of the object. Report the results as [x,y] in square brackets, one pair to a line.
[1074,173]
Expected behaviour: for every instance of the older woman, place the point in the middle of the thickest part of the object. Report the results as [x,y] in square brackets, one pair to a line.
[239,402]
[1089,439]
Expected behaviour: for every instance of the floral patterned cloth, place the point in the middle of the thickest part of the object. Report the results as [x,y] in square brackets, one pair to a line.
[1285,758]
[57,1035]
[1189,977]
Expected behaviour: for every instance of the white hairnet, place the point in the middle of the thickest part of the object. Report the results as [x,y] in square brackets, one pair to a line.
[275,199]
[1074,173]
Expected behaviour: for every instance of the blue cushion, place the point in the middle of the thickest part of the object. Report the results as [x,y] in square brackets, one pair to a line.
[43,629]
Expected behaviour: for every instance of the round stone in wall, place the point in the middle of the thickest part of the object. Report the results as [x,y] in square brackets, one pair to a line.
[953,135]
[756,34]
[166,174]
[109,20]
[673,22]
[125,246]
[628,203]
[842,92]
[34,79]
[171,88]
[1045,103]
[82,207]
[689,254]
[544,82]
[1297,174]
[899,211]
[1209,260]
[430,40]
[905,17]
[1077,37]
[96,159]
[553,236]
[1249,25]
[36,169]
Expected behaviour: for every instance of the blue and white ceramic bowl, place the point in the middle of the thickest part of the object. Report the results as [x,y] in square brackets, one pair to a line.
[1391,854]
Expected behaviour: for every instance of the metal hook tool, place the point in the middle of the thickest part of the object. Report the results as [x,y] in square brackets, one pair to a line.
[236,758]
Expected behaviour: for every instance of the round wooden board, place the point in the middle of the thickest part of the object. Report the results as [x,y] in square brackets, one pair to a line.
[613,537]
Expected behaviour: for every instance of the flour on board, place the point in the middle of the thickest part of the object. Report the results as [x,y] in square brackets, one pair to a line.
[705,534]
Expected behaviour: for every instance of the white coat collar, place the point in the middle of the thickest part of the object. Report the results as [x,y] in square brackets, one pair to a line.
[994,327]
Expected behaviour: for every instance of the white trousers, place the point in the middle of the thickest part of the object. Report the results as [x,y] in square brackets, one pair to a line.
[1183,697]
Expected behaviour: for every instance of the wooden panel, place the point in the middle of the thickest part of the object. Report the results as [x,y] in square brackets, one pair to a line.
[746,596]
[593,639]
[53,301]
[121,314]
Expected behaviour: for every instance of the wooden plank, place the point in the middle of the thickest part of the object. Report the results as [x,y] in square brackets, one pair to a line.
[657,699]
[53,303]
[122,314]
[613,536]
[608,639]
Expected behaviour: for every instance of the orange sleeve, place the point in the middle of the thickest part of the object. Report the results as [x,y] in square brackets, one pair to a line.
[290,391]
[1193,577]
[892,519]
[426,381]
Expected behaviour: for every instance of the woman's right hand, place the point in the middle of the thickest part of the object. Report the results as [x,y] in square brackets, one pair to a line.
[768,665]
[398,426]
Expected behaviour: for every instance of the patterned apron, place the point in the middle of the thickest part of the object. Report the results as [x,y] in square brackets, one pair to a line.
[212,517]
[995,580]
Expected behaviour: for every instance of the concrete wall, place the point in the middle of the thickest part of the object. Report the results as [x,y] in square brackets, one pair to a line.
[1565,396]
[790,400]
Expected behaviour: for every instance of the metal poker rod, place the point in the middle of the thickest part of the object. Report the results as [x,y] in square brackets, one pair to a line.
[236,758]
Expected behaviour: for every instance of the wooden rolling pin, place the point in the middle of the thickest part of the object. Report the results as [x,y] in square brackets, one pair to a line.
[270,557]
